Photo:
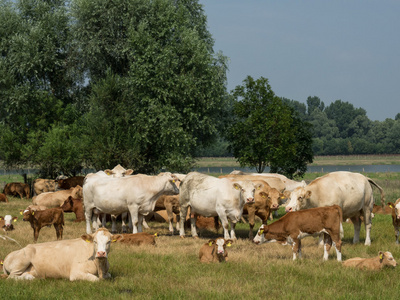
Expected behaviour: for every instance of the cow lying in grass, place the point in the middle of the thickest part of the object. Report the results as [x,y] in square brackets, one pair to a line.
[215,250]
[84,258]
[384,259]
[6,222]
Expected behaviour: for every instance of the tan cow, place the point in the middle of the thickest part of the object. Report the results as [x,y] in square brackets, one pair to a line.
[84,258]
[274,182]
[395,207]
[43,186]
[40,218]
[351,191]
[384,259]
[137,239]
[17,188]
[214,251]
[56,199]
[294,226]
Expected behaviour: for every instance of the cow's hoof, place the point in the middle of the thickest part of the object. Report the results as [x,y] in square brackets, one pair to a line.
[182,236]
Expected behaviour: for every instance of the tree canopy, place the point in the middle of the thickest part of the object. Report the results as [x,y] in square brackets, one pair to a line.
[267,132]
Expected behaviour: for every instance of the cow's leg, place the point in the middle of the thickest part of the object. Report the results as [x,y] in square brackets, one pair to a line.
[357,225]
[368,225]
[193,225]
[216,224]
[144,223]
[296,248]
[327,246]
[182,220]
[114,223]
[59,231]
[233,225]
[252,218]
[18,264]
[36,233]
[140,222]
[88,217]
[134,212]
[396,230]
[225,225]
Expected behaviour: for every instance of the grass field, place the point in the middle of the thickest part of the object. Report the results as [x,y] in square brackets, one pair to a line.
[171,270]
[318,160]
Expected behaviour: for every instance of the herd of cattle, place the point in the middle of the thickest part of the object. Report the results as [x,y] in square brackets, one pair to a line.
[316,209]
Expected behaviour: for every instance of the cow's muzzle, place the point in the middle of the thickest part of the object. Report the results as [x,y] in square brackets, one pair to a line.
[101,254]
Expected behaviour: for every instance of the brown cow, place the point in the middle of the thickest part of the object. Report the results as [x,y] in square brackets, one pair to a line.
[5,222]
[395,207]
[294,226]
[56,199]
[75,206]
[215,250]
[39,219]
[3,198]
[266,199]
[71,182]
[384,259]
[171,204]
[140,238]
[41,185]
[17,188]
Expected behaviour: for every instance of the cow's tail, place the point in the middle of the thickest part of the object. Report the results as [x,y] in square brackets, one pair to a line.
[380,190]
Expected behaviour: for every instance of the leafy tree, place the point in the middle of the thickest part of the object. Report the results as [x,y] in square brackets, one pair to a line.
[267,132]
[314,103]
[158,88]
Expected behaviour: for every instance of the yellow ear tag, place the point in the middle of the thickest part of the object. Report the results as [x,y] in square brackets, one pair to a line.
[15,220]
[108,173]
[113,241]
[210,244]
[33,213]
[156,235]
[229,244]
[173,181]
[264,196]
[236,187]
[21,213]
[381,256]
[262,231]
[88,241]
[390,206]
[259,188]
[283,197]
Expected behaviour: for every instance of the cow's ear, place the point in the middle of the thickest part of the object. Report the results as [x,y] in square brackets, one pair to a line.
[228,242]
[128,172]
[15,219]
[108,172]
[390,204]
[308,194]
[259,186]
[1,218]
[381,255]
[211,242]
[116,237]
[237,186]
[264,195]
[87,238]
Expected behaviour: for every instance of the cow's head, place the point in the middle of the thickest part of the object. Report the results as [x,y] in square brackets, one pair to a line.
[395,208]
[220,245]
[28,214]
[101,241]
[8,220]
[68,204]
[387,259]
[247,190]
[77,192]
[171,187]
[270,196]
[298,199]
[118,171]
[259,238]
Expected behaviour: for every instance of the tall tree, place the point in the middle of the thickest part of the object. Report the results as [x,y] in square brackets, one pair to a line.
[159,90]
[267,132]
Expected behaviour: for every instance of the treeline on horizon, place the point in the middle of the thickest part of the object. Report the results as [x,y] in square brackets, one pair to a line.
[337,129]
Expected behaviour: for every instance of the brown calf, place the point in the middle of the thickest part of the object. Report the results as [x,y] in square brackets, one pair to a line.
[75,206]
[266,199]
[171,204]
[39,219]
[3,198]
[395,207]
[375,263]
[141,238]
[17,188]
[294,226]
[6,222]
[70,182]
[214,251]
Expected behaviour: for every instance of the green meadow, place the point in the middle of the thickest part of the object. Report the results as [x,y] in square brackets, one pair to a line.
[171,269]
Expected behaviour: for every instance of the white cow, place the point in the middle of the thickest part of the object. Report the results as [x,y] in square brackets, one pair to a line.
[351,191]
[209,196]
[83,258]
[136,194]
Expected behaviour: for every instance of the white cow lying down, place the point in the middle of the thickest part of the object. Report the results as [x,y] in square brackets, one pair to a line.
[83,258]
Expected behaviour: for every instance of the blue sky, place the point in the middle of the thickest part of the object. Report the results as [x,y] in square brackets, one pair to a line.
[336,50]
